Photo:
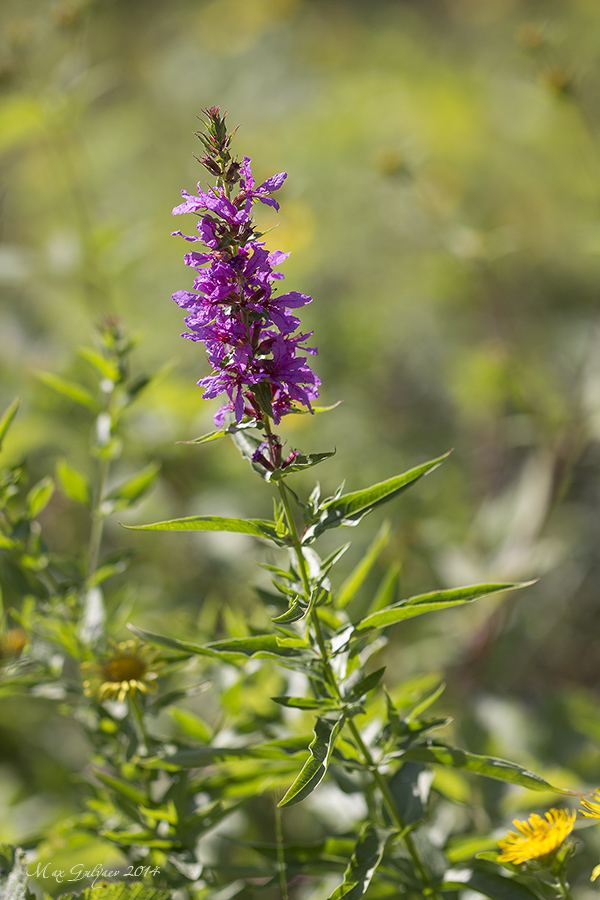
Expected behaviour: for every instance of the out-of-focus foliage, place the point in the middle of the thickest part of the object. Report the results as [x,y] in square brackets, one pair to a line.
[442,207]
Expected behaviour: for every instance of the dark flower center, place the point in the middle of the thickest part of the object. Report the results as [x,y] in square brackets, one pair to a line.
[124,668]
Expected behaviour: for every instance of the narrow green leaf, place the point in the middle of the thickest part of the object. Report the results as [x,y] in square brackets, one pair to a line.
[307,461]
[490,766]
[356,578]
[257,527]
[73,483]
[366,684]
[192,725]
[168,643]
[435,600]
[326,731]
[387,590]
[39,496]
[488,883]
[123,788]
[204,756]
[304,703]
[103,365]
[221,432]
[365,858]
[295,611]
[69,389]
[303,411]
[260,646]
[349,509]
[425,702]
[130,491]
[7,417]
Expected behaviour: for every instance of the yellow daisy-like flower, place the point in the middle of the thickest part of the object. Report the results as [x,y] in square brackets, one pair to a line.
[538,837]
[591,808]
[128,669]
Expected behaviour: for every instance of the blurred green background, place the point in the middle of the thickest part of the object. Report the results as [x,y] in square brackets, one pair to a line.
[442,207]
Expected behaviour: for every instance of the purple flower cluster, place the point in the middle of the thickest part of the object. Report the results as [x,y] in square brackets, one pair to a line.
[249,331]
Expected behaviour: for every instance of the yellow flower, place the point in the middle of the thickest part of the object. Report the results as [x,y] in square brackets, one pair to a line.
[595,873]
[12,643]
[591,808]
[537,837]
[127,670]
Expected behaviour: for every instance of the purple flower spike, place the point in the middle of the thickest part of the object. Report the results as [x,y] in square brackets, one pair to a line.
[247,329]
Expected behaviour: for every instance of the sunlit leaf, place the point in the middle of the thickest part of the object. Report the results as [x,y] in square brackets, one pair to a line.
[105,366]
[433,601]
[69,389]
[304,703]
[39,496]
[7,417]
[326,731]
[307,461]
[258,527]
[490,766]
[349,509]
[73,483]
[134,488]
[356,578]
[192,725]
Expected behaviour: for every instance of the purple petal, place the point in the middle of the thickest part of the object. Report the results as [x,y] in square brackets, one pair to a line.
[273,183]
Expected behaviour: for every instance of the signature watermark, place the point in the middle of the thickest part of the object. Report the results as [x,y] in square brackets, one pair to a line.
[79,872]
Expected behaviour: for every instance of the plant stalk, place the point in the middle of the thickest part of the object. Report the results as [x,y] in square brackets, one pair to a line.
[331,678]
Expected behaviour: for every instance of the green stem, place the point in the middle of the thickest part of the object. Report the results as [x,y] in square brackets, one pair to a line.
[563,887]
[380,780]
[280,854]
[97,526]
[137,714]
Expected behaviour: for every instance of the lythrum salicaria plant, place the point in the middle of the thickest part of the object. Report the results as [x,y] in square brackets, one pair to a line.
[370,740]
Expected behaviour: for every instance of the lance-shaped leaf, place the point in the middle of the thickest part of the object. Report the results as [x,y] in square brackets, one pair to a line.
[296,610]
[433,601]
[326,731]
[203,756]
[258,527]
[221,432]
[39,496]
[101,363]
[307,461]
[133,489]
[7,417]
[488,883]
[365,858]
[349,509]
[305,703]
[356,578]
[259,646]
[70,389]
[73,483]
[490,766]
